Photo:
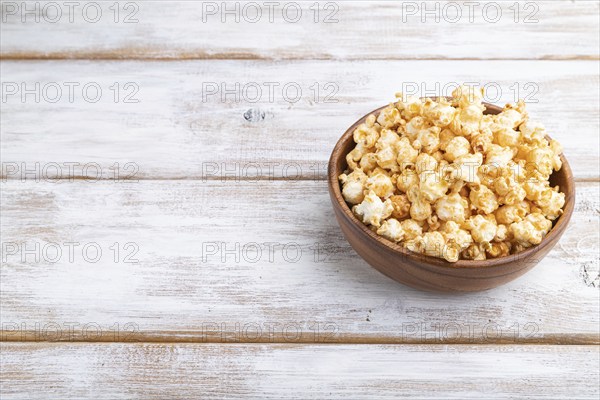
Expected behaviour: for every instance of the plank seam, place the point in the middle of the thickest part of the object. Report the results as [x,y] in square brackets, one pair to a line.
[488,344]
[253,57]
[223,179]
[558,340]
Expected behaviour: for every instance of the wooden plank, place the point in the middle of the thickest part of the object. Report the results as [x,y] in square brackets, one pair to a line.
[182,129]
[355,30]
[254,262]
[158,371]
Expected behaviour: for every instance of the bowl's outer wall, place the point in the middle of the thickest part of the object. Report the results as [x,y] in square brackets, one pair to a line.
[429,273]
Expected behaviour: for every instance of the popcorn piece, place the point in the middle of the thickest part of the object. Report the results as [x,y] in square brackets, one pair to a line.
[389,117]
[414,126]
[498,249]
[470,114]
[433,244]
[551,203]
[532,131]
[499,156]
[430,243]
[481,228]
[446,135]
[407,179]
[432,186]
[401,206]
[439,157]
[534,189]
[467,167]
[512,116]
[425,162]
[512,213]
[413,193]
[387,139]
[539,222]
[368,162]
[366,135]
[355,155]
[410,107]
[372,210]
[380,184]
[386,150]
[483,198]
[392,230]
[543,159]
[451,252]
[454,233]
[509,191]
[531,230]
[432,223]
[420,210]
[516,247]
[474,252]
[353,186]
[507,136]
[557,151]
[457,147]
[440,114]
[411,229]
[501,233]
[407,155]
[481,143]
[467,96]
[518,171]
[386,158]
[451,208]
[428,140]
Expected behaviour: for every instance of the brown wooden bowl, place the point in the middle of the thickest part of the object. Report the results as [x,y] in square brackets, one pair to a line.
[432,273]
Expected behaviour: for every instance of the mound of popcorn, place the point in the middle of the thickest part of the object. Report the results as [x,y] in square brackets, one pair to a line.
[442,178]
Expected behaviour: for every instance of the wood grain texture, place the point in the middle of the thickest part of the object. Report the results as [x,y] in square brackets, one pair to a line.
[178,130]
[253,279]
[255,262]
[164,371]
[365,30]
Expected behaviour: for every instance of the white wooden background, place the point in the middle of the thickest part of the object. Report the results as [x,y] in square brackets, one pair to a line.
[294,313]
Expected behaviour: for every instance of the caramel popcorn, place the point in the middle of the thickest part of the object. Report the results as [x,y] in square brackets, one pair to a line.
[372,210]
[441,178]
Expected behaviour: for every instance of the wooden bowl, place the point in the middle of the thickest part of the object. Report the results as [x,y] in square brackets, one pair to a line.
[432,273]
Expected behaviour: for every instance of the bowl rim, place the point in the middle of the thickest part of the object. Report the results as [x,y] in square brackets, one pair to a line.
[558,226]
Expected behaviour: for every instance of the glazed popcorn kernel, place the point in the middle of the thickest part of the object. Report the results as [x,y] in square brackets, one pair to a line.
[441,178]
[372,210]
